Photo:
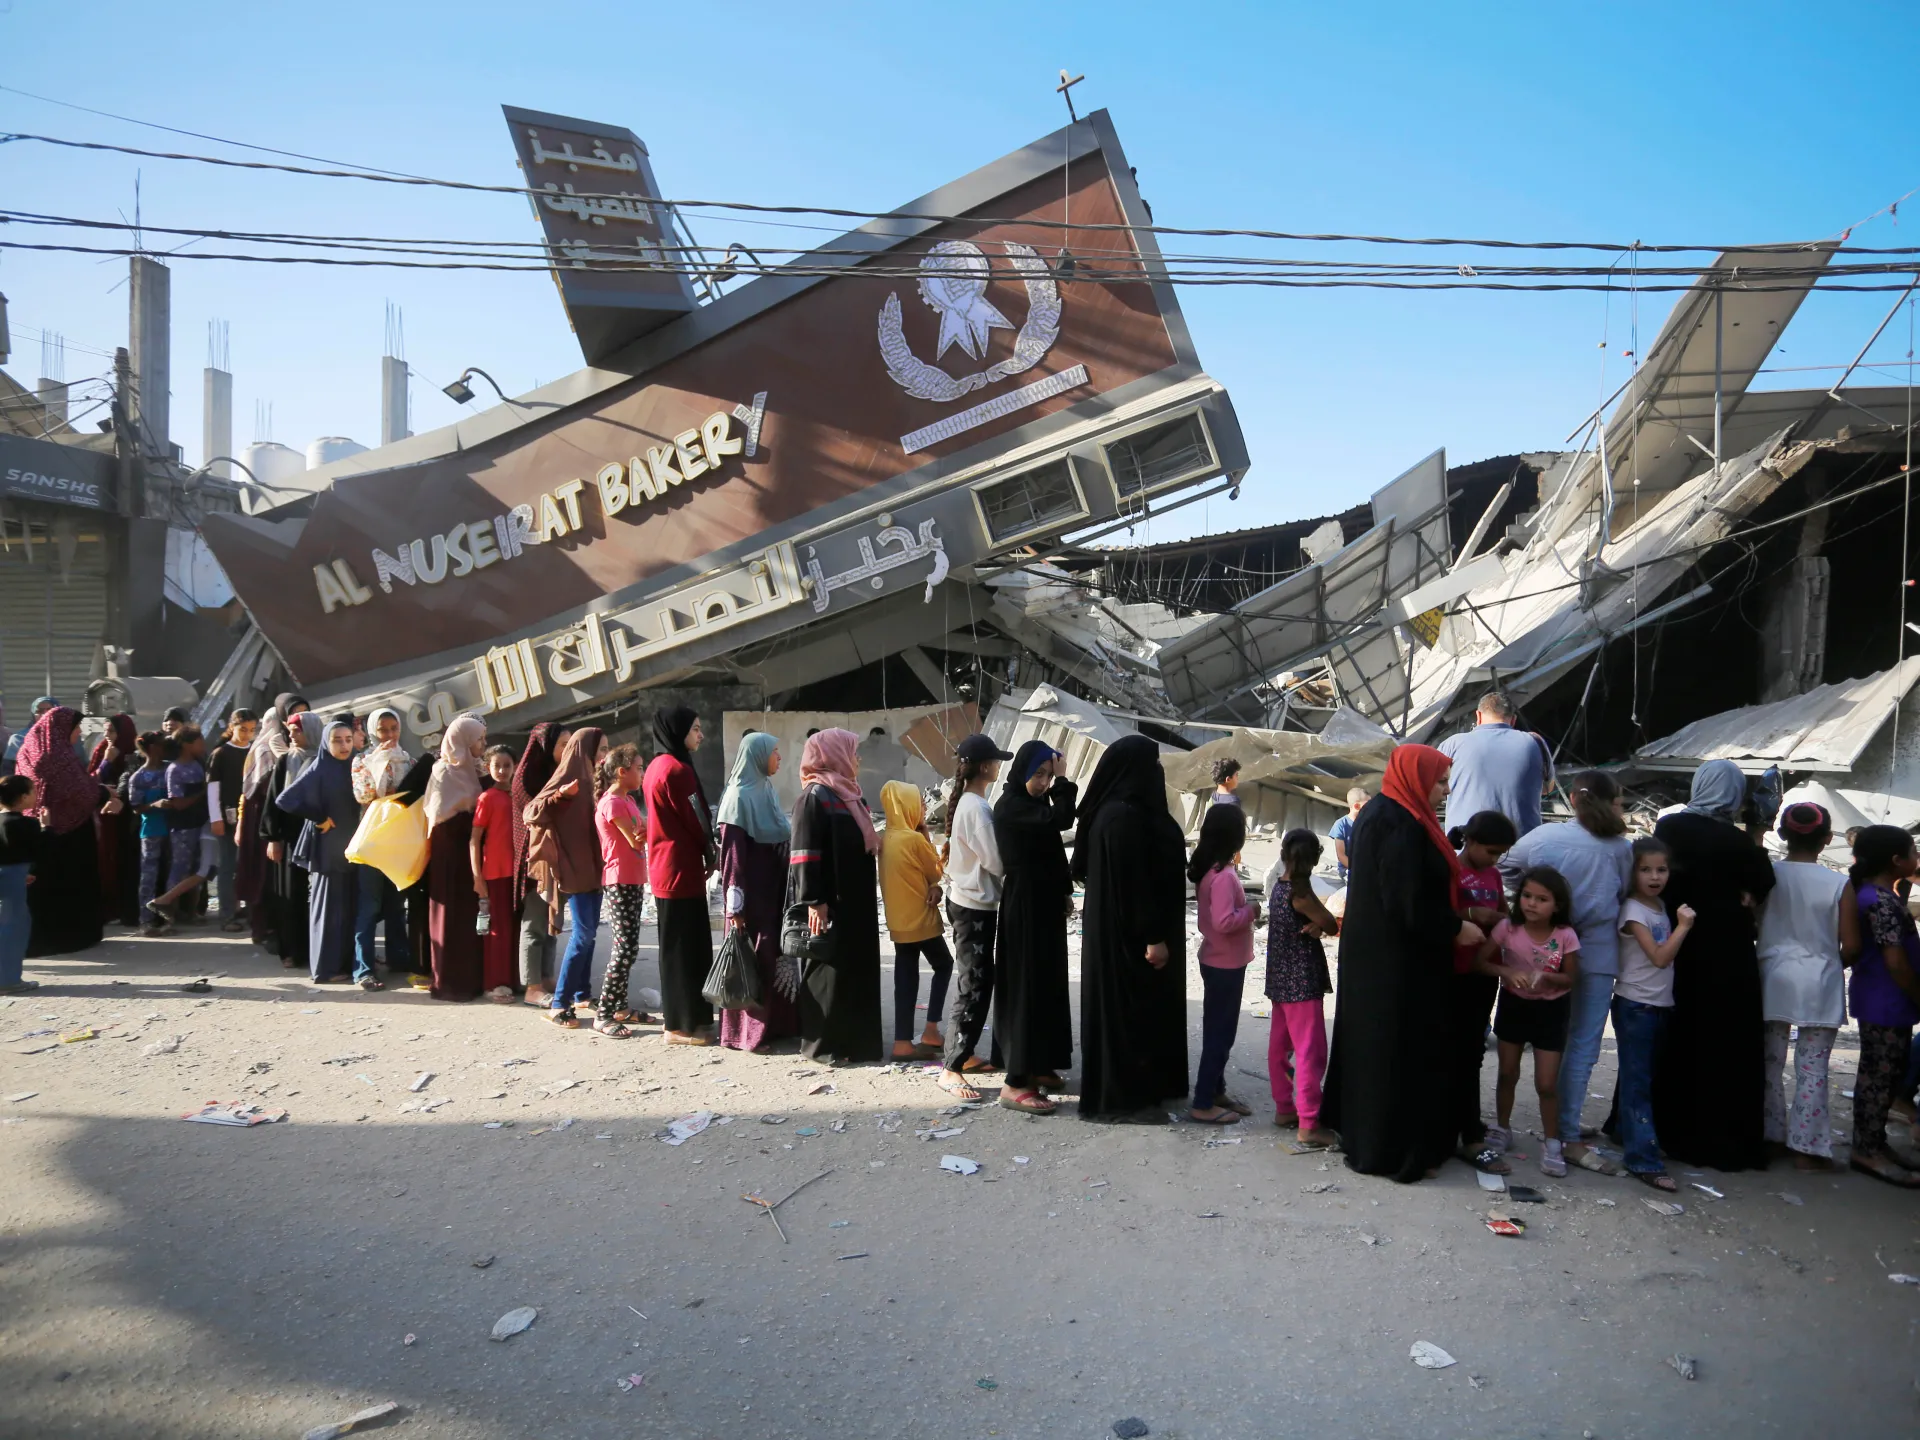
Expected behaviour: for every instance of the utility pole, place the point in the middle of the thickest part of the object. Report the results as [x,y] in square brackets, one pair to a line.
[123,436]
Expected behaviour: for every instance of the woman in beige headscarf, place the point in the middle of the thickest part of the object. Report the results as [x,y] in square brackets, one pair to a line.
[452,905]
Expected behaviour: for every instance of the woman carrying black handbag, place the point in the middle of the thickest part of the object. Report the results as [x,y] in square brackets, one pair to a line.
[832,874]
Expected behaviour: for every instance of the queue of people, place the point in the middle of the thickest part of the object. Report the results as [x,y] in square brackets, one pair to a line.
[1709,960]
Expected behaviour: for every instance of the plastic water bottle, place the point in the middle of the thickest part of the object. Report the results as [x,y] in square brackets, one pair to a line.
[482,921]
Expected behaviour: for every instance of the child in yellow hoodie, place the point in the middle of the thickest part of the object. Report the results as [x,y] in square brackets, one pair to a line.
[910,872]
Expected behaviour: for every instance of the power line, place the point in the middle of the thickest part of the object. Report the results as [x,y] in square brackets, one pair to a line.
[392,178]
[388,260]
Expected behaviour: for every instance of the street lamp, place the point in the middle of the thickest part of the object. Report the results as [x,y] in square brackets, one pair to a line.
[461,393]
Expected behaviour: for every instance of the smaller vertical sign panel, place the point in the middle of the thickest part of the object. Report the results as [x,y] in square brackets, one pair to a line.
[612,244]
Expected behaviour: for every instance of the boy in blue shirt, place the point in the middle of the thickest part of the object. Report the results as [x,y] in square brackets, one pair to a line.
[186,811]
[146,794]
[1342,832]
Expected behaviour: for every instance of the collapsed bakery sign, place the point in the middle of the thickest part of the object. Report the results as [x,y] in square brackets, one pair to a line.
[814,439]
[553,515]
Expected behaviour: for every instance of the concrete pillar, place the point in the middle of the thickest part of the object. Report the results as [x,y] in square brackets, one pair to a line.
[53,395]
[216,421]
[393,400]
[150,342]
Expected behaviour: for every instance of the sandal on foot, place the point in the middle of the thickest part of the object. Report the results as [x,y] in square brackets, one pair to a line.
[372,984]
[1657,1179]
[1221,1116]
[1315,1137]
[974,1065]
[1592,1159]
[612,1029]
[1287,1122]
[673,1039]
[631,1017]
[1486,1160]
[1049,1081]
[1227,1102]
[957,1087]
[1032,1102]
[565,1019]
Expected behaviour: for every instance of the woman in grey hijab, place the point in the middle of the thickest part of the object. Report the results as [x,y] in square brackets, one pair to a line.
[1709,1088]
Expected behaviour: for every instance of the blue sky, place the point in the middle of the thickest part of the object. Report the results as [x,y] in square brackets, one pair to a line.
[1700,123]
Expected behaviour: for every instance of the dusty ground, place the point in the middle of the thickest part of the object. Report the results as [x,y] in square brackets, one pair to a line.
[159,1279]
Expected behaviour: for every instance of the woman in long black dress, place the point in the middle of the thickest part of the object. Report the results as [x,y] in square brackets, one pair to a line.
[832,874]
[1032,1004]
[286,882]
[1709,1087]
[1387,1073]
[1133,1003]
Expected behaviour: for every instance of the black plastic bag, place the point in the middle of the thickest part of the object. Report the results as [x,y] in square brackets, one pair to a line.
[734,981]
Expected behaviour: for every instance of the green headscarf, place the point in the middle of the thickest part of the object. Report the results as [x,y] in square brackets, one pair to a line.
[750,801]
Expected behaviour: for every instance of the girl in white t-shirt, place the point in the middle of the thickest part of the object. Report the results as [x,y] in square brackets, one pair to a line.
[1807,932]
[1643,1004]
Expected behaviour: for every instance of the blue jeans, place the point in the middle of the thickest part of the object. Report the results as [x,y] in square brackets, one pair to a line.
[1221,987]
[1639,1032]
[16,923]
[1586,1023]
[575,981]
[377,900]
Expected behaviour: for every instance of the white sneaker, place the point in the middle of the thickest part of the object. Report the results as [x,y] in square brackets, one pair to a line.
[23,988]
[1499,1137]
[1553,1160]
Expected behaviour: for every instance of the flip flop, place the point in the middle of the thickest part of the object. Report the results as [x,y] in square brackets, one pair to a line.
[960,1091]
[1227,1102]
[612,1029]
[1902,1182]
[565,1019]
[1032,1103]
[1592,1159]
[1225,1117]
[974,1065]
[1652,1178]
[1487,1160]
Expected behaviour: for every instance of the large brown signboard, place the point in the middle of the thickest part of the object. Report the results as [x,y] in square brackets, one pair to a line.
[934,347]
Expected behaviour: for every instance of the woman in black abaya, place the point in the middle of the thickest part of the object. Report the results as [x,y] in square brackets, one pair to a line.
[1032,1008]
[1133,1015]
[832,874]
[1386,1089]
[1709,1085]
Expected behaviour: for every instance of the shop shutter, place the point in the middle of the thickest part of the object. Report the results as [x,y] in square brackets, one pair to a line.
[50,629]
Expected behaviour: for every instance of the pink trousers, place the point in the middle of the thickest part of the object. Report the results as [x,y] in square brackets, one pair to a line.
[1297,1059]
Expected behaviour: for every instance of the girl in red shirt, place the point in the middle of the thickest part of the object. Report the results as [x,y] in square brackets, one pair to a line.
[491,852]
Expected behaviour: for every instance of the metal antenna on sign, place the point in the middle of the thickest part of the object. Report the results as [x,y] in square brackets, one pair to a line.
[1065,91]
[1065,266]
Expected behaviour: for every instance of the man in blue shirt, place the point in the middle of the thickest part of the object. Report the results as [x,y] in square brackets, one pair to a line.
[1496,767]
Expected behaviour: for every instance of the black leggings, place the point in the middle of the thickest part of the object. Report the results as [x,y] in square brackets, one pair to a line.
[907,955]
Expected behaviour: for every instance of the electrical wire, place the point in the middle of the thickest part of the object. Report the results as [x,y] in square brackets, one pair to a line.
[395,178]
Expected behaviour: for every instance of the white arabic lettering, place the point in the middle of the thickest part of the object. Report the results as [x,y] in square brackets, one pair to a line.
[872,567]
[600,159]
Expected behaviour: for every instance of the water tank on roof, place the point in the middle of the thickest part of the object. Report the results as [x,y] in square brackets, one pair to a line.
[273,463]
[329,448]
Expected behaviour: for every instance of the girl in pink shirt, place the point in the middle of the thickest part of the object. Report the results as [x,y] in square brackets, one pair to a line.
[1227,919]
[623,876]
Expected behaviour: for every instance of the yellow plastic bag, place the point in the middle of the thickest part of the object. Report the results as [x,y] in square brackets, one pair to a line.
[393,839]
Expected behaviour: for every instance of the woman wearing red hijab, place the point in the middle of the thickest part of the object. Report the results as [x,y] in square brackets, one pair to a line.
[1386,1076]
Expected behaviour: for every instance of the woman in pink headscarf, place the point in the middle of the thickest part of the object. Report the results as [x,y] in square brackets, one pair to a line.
[832,874]
[64,899]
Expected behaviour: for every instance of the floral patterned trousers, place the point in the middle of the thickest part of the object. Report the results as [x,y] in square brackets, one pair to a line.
[623,905]
[1803,1125]
[1883,1062]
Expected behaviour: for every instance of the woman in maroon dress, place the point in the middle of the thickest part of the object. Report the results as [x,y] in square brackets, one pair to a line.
[452,905]
[753,874]
[113,755]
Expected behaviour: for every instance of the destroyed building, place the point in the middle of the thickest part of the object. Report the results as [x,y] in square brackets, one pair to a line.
[901,475]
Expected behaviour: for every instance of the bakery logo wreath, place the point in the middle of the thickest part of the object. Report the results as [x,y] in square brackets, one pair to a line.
[953,281]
